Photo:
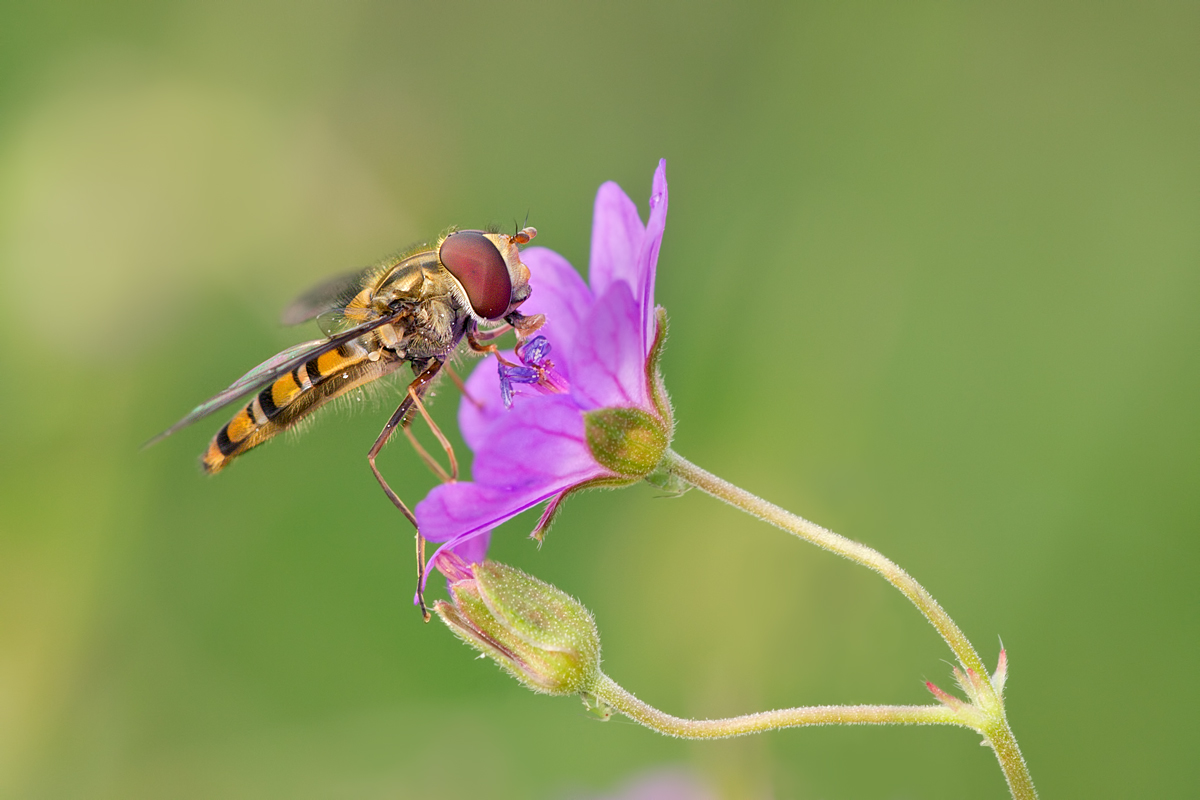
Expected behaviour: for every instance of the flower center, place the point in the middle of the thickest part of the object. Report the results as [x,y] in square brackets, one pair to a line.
[535,370]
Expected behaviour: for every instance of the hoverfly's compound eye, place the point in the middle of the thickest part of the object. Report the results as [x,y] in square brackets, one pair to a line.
[480,268]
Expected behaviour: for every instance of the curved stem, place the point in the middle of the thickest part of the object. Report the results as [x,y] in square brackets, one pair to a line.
[607,690]
[993,723]
[824,538]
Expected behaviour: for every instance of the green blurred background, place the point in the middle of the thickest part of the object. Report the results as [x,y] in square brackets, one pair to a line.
[933,273]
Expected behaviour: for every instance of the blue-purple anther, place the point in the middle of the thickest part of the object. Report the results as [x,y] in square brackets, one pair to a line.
[536,370]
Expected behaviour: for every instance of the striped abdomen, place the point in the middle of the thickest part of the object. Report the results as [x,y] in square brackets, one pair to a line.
[295,395]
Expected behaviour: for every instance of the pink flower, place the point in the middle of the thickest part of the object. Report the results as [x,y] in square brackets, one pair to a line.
[585,405]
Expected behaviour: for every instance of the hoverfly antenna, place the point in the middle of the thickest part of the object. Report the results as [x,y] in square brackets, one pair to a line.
[518,227]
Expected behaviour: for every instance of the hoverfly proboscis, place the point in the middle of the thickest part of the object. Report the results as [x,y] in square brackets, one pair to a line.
[413,308]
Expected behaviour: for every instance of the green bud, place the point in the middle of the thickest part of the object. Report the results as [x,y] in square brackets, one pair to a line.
[629,441]
[542,636]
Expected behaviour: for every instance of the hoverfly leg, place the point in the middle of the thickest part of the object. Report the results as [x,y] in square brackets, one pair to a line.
[429,460]
[475,340]
[495,333]
[415,389]
[421,575]
[487,349]
[462,387]
[525,326]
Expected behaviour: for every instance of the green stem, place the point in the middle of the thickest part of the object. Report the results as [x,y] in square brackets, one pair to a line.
[828,540]
[1000,737]
[995,727]
[607,690]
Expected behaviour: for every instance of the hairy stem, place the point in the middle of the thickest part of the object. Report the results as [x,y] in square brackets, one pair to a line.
[994,725]
[617,698]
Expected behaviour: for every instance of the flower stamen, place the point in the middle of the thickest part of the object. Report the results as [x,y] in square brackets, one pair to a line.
[535,370]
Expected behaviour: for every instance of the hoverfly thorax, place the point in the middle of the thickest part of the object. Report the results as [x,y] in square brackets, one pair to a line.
[488,269]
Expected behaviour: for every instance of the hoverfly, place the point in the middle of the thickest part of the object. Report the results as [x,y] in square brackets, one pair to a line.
[413,308]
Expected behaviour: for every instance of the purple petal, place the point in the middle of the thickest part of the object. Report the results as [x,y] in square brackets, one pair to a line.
[648,255]
[472,550]
[476,418]
[534,452]
[617,234]
[560,294]
[609,366]
[539,442]
[455,513]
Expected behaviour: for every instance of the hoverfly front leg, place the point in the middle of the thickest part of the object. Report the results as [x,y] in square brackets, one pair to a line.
[417,388]
[476,339]
[488,335]
[476,344]
[523,325]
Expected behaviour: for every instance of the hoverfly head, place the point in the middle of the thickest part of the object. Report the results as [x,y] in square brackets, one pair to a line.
[488,268]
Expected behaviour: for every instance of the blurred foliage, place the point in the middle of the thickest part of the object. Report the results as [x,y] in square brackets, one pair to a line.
[933,280]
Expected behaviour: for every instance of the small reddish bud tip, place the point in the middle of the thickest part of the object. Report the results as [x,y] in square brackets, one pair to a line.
[1001,672]
[946,699]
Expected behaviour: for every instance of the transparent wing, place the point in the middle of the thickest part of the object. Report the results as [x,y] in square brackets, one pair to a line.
[271,369]
[328,296]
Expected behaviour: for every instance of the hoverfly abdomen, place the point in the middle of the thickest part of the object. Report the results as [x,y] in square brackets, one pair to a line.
[293,396]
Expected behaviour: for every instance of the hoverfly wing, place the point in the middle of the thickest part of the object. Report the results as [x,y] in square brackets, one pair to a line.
[328,296]
[333,322]
[271,369]
[260,375]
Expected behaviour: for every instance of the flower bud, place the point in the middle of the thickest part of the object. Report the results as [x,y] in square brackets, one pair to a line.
[542,636]
[629,441]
